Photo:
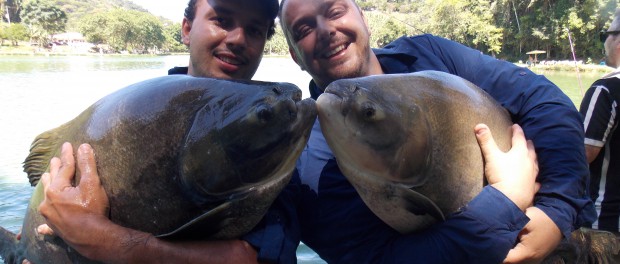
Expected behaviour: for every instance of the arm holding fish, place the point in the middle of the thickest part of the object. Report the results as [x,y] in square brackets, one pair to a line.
[79,216]
[490,223]
[551,121]
[509,172]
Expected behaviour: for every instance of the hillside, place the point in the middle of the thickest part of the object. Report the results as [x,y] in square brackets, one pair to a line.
[75,9]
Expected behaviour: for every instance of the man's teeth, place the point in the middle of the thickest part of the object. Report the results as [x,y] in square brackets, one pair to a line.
[229,60]
[336,50]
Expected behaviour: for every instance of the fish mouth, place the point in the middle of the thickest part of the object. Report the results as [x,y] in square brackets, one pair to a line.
[306,110]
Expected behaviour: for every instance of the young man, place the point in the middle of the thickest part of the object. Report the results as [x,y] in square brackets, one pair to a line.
[599,109]
[82,207]
[330,40]
[226,40]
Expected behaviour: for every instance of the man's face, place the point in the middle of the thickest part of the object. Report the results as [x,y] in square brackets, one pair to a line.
[329,38]
[226,38]
[612,45]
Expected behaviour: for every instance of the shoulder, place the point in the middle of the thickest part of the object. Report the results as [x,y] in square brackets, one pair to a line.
[178,70]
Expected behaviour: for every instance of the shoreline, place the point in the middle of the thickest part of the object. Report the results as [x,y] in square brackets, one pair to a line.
[585,68]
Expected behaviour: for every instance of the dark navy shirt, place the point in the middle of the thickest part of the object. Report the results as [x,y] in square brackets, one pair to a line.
[320,204]
[336,223]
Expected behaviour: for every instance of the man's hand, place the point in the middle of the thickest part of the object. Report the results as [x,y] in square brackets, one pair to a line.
[78,214]
[514,172]
[69,209]
[539,238]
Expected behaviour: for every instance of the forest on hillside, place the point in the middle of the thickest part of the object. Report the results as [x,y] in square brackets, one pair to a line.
[506,29]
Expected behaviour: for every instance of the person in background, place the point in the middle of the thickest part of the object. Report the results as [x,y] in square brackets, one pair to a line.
[600,110]
[330,40]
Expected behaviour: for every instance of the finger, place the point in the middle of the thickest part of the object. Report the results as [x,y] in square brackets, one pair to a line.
[515,255]
[54,168]
[66,172]
[518,137]
[532,151]
[45,230]
[45,180]
[486,141]
[86,165]
[25,261]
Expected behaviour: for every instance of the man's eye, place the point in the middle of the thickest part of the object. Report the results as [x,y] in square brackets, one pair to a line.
[221,21]
[336,13]
[257,32]
[302,32]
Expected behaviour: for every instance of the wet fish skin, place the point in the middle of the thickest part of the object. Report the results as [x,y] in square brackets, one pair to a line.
[179,157]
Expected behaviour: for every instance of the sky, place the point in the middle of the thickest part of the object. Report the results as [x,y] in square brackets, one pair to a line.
[171,9]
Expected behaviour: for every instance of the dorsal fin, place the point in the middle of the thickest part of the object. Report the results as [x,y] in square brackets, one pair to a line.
[41,151]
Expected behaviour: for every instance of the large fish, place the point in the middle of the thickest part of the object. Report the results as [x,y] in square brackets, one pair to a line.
[406,142]
[179,157]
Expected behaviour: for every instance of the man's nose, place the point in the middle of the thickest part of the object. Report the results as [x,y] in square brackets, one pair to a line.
[325,29]
[236,37]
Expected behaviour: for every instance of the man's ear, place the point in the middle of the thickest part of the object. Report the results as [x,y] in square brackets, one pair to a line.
[186,27]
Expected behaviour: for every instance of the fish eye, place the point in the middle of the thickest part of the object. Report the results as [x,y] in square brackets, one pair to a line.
[264,114]
[370,112]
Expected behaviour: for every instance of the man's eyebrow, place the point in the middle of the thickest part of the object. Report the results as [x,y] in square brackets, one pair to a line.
[223,10]
[229,12]
[323,7]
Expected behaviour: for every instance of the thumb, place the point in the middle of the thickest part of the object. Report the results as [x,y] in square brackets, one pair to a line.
[516,254]
[486,142]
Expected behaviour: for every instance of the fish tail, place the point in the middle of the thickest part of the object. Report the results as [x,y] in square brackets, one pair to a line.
[8,246]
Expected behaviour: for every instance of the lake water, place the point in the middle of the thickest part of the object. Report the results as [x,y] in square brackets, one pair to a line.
[38,93]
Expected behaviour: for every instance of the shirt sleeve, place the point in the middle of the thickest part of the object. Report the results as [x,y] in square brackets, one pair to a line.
[492,224]
[277,236]
[548,118]
[598,111]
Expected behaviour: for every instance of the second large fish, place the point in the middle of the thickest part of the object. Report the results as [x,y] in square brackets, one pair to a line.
[406,142]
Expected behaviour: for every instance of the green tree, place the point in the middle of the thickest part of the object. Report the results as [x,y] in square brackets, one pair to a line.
[3,32]
[43,19]
[10,10]
[17,32]
[124,30]
[150,35]
[277,44]
[174,43]
[94,27]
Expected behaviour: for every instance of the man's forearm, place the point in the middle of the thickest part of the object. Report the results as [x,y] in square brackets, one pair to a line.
[117,244]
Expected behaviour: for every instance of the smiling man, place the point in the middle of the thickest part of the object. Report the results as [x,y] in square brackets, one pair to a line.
[226,40]
[330,40]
